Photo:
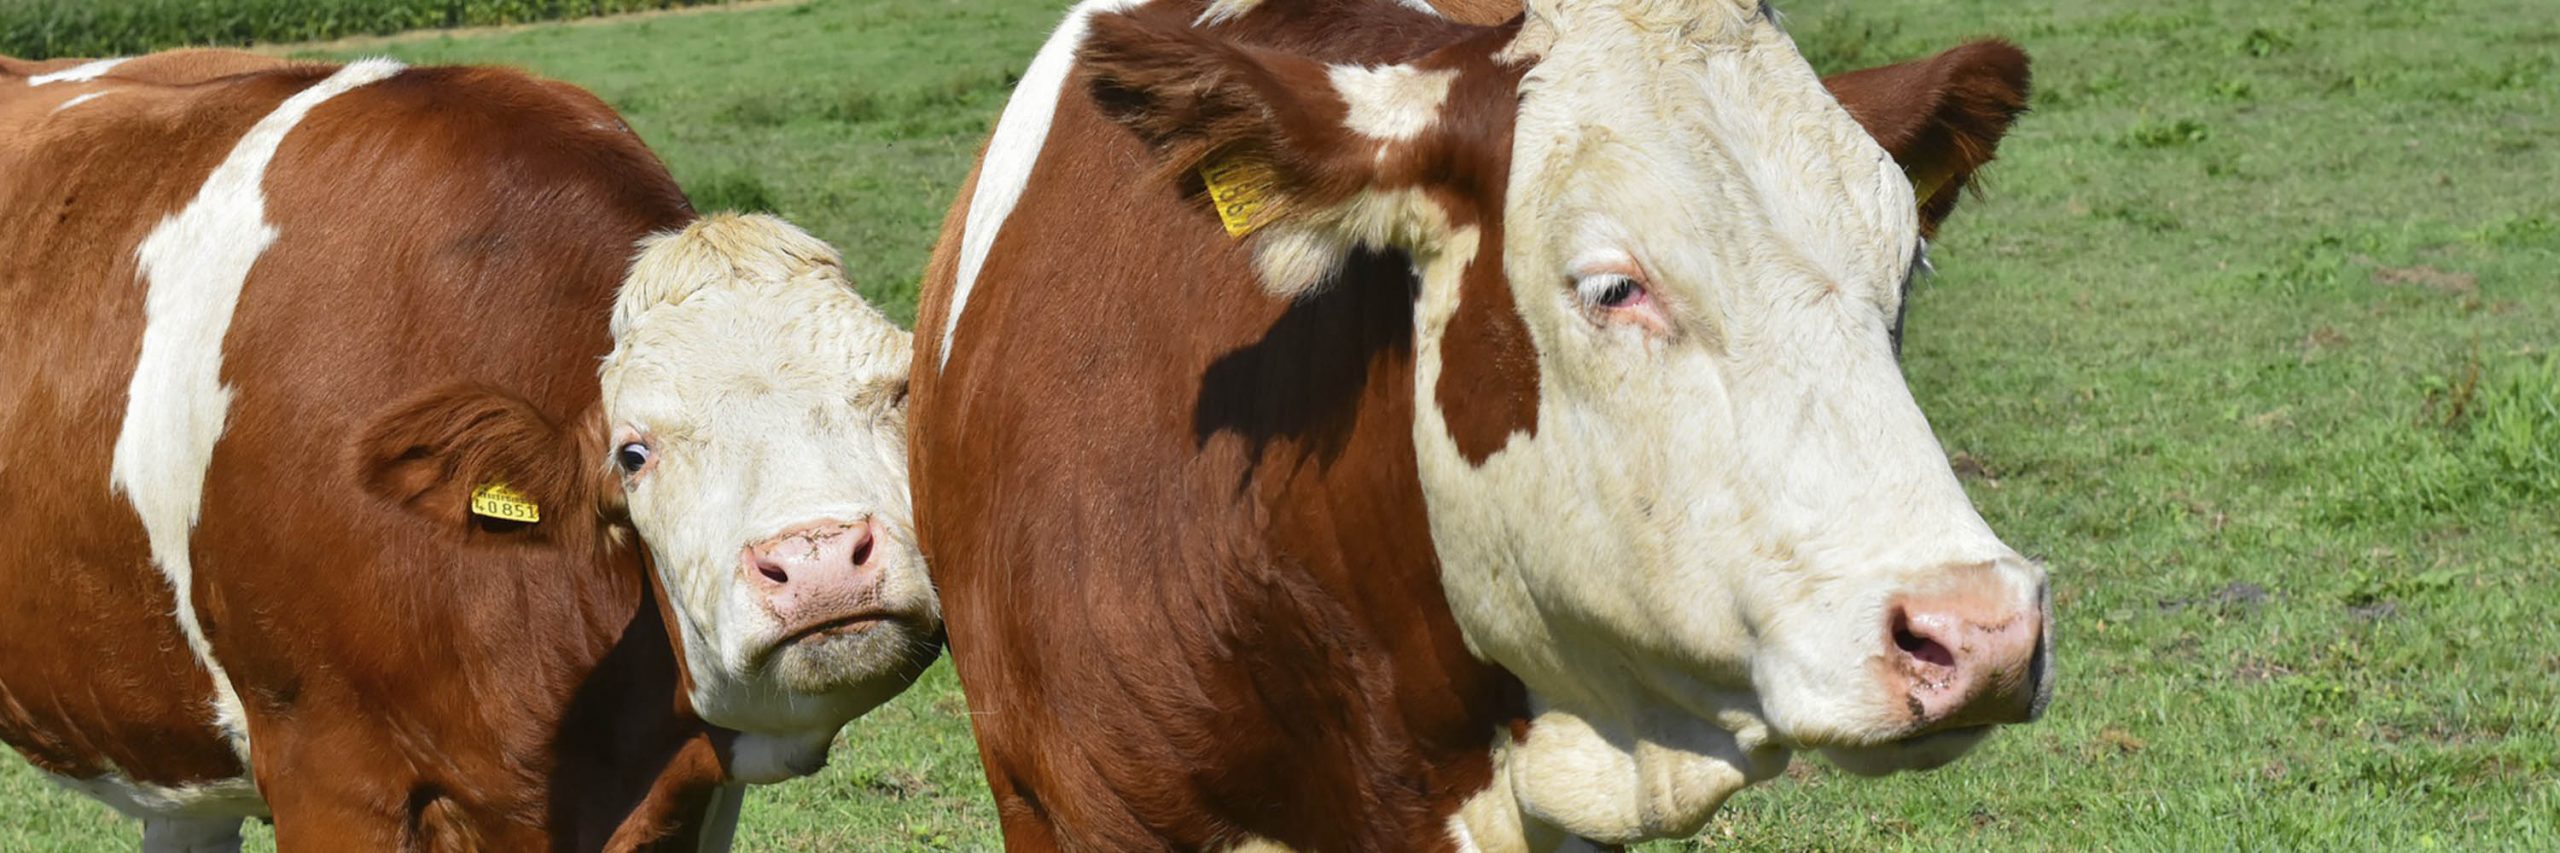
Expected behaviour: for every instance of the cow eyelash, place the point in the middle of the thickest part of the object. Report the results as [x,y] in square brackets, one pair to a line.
[1610,290]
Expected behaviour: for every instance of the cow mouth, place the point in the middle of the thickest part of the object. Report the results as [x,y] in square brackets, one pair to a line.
[846,625]
[850,654]
[1943,738]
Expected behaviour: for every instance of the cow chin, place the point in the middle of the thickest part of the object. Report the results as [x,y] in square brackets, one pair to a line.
[1926,752]
[881,657]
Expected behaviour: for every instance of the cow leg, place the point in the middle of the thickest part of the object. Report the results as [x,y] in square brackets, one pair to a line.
[720,820]
[191,835]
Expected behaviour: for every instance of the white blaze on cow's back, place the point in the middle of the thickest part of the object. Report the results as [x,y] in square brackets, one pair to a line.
[194,265]
[78,73]
[1014,150]
[76,100]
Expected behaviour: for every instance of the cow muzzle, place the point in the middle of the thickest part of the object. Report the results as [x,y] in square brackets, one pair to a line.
[819,580]
[1969,654]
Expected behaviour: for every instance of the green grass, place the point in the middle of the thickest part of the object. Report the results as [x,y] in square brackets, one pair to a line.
[2252,336]
[43,29]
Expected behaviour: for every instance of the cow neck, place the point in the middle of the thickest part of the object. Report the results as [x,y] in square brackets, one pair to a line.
[1307,588]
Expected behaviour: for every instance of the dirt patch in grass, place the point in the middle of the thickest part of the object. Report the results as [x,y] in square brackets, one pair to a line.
[2441,281]
[2237,596]
[1971,467]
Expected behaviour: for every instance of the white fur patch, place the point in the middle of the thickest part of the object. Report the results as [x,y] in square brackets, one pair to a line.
[1458,835]
[759,759]
[78,73]
[76,101]
[195,264]
[1015,151]
[1391,103]
[231,799]
[1222,11]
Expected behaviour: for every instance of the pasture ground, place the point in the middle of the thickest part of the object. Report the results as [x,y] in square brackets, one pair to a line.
[2252,336]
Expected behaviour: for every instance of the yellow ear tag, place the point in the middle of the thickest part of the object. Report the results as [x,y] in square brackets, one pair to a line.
[1924,185]
[497,501]
[1241,189]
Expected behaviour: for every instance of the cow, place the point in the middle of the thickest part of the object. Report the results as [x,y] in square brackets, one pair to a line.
[394,452]
[1340,427]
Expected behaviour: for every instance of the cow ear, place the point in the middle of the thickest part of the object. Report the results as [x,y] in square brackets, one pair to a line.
[1258,136]
[1941,117]
[1205,103]
[430,454]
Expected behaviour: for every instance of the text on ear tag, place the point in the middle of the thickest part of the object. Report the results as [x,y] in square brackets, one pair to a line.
[1240,187]
[496,500]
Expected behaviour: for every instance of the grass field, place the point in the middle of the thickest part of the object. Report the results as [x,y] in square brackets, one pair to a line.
[2255,336]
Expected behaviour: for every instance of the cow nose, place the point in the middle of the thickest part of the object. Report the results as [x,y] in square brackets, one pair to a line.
[814,572]
[1971,655]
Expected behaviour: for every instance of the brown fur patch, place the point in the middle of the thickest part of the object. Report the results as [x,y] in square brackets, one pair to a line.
[1941,117]
[1489,376]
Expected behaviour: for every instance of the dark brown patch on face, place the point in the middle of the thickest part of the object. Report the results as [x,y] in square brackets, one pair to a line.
[1489,367]
[1488,387]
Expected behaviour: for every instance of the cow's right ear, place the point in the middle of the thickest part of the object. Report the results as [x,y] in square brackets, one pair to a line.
[432,452]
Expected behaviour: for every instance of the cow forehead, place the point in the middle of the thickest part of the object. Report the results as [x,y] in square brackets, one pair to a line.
[753,349]
[1695,135]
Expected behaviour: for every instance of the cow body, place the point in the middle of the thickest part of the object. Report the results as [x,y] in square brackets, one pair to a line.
[1175,475]
[267,324]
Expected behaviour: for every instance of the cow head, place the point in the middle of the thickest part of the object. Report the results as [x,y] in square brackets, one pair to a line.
[757,409]
[1674,476]
[752,431]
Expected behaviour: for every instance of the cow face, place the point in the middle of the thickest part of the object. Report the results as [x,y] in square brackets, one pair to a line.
[1675,479]
[756,408]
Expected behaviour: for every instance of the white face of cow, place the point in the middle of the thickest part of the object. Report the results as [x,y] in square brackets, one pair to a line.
[758,410]
[1732,533]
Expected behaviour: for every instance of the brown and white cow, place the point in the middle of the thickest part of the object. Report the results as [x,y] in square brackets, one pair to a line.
[275,331]
[1342,428]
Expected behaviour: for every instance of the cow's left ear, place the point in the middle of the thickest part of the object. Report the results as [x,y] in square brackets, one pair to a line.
[1941,117]
[1284,147]
[434,452]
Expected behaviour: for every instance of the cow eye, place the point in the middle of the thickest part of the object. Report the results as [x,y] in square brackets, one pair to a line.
[633,457]
[1611,290]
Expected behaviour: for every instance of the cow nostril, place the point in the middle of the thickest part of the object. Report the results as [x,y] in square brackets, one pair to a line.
[1919,647]
[862,552]
[773,572]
